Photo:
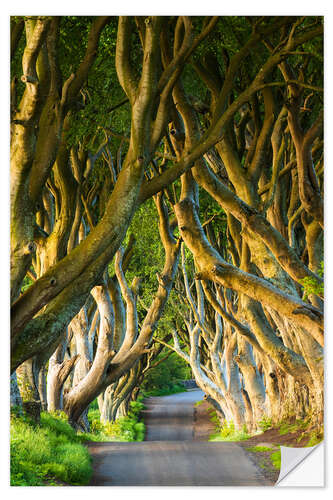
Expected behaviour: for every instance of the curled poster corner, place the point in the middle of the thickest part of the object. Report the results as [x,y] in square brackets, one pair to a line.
[312,473]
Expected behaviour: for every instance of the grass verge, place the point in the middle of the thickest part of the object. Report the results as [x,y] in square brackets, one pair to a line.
[50,453]
[227,431]
[128,428]
[272,452]
[276,459]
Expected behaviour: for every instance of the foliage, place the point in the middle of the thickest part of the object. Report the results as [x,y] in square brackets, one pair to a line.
[265,423]
[275,456]
[276,459]
[292,427]
[92,113]
[26,391]
[96,426]
[148,260]
[312,286]
[258,449]
[47,453]
[127,428]
[214,417]
[315,438]
[199,403]
[27,282]
[52,451]
[227,432]
[164,391]
[164,378]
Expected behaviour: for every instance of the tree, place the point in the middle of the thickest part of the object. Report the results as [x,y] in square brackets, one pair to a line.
[64,287]
[221,122]
[260,266]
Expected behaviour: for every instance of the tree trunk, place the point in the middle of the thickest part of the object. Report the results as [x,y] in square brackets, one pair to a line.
[15,396]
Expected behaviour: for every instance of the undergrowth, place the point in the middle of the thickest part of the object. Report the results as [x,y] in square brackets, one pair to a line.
[275,455]
[227,431]
[199,403]
[315,438]
[292,427]
[276,459]
[52,453]
[265,423]
[127,428]
[48,453]
[305,430]
[259,449]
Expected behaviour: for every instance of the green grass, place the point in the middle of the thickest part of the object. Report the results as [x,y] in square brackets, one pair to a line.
[315,438]
[52,452]
[236,436]
[48,453]
[265,423]
[227,432]
[275,456]
[259,449]
[199,403]
[276,459]
[298,425]
[286,428]
[127,428]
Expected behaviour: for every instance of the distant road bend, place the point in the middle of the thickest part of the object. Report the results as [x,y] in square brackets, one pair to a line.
[169,456]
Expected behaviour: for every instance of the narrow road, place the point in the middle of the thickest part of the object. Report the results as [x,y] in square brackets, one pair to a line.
[169,456]
[170,418]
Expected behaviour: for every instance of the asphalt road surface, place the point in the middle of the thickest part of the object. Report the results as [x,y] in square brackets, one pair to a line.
[170,418]
[169,456]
